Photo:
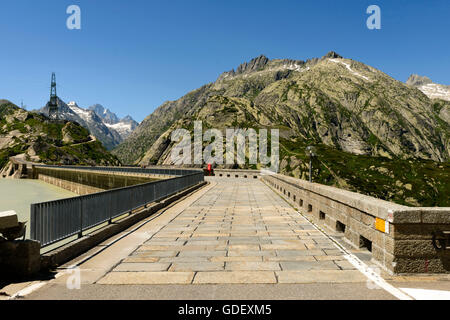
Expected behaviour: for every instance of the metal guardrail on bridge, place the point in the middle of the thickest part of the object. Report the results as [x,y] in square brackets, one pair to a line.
[57,220]
[160,171]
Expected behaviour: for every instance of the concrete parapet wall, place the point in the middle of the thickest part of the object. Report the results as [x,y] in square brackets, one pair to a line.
[399,237]
[224,173]
[78,188]
[84,182]
[237,173]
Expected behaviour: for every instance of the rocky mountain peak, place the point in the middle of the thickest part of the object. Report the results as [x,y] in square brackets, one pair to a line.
[416,80]
[254,65]
[127,118]
[105,114]
[73,104]
[333,55]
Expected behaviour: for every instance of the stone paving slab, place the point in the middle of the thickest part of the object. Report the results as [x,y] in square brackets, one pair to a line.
[309,265]
[235,277]
[131,267]
[344,265]
[249,247]
[185,259]
[192,253]
[197,266]
[236,259]
[252,266]
[251,253]
[235,233]
[290,258]
[147,278]
[158,254]
[320,276]
[329,258]
[138,259]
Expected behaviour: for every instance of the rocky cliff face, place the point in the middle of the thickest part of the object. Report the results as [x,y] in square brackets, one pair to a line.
[344,107]
[35,138]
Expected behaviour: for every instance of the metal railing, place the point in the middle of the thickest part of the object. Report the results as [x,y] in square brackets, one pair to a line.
[57,220]
[158,171]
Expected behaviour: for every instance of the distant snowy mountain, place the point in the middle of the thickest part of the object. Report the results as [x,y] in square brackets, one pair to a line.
[106,115]
[432,90]
[124,127]
[102,123]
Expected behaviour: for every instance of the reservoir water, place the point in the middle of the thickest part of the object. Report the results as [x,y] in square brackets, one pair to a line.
[18,195]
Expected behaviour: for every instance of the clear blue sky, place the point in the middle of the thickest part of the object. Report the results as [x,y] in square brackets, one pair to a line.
[131,56]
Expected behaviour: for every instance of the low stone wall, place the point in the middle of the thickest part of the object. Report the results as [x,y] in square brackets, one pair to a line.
[399,237]
[78,188]
[84,182]
[237,173]
[219,172]
[222,173]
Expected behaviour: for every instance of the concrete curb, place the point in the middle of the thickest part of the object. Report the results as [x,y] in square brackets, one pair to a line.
[73,249]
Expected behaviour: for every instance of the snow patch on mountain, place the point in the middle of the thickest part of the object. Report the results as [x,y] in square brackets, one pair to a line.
[436,91]
[84,114]
[349,68]
[124,127]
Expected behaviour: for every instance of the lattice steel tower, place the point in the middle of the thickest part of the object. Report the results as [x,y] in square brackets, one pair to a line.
[53,104]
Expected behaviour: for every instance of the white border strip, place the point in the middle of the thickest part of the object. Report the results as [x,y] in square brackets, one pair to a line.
[426,294]
[362,267]
[31,288]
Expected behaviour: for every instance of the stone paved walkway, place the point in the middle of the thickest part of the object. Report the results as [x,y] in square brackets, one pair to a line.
[237,232]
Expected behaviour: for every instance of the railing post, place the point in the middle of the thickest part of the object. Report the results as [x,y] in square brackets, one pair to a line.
[80,234]
[110,213]
[33,222]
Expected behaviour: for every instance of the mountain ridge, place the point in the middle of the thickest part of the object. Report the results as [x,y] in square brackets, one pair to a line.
[278,71]
[343,106]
